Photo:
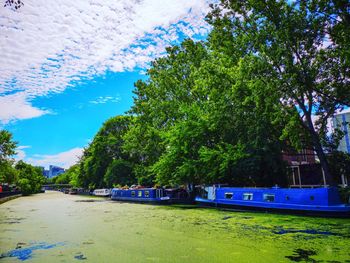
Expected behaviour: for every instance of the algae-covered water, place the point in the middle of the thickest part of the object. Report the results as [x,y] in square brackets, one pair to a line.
[54,227]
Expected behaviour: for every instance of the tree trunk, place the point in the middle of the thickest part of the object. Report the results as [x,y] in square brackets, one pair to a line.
[320,152]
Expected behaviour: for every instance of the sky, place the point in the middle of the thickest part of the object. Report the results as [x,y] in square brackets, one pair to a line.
[67,66]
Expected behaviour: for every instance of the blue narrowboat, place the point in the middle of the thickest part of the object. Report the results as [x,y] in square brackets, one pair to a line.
[143,195]
[322,201]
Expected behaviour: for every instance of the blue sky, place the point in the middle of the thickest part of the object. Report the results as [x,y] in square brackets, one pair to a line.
[66,67]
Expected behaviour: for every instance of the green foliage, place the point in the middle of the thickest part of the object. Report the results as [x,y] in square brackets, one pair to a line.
[105,147]
[62,179]
[26,186]
[224,110]
[7,145]
[339,163]
[119,172]
[30,178]
[70,176]
[7,148]
[288,39]
[8,173]
[208,117]
[73,173]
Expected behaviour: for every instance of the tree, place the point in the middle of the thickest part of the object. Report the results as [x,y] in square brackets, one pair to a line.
[7,148]
[339,163]
[7,145]
[30,178]
[209,118]
[8,173]
[119,172]
[303,47]
[105,147]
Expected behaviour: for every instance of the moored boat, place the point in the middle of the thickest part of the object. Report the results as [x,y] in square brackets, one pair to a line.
[179,196]
[322,201]
[73,191]
[151,195]
[102,192]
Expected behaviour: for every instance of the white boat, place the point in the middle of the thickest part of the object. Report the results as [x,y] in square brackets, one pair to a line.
[102,192]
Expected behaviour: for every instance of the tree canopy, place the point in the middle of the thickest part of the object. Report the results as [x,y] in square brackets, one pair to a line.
[303,49]
[266,81]
[7,145]
[99,157]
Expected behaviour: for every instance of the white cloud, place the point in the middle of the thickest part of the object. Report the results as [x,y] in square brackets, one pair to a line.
[104,99]
[47,46]
[17,107]
[20,152]
[63,159]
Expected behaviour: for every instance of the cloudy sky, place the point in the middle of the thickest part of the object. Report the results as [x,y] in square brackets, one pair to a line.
[67,66]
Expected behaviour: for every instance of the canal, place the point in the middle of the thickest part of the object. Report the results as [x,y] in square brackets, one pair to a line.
[54,227]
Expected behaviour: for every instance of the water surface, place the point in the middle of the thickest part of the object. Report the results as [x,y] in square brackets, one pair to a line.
[54,227]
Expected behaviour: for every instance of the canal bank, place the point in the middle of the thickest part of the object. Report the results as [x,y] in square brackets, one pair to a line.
[8,198]
[54,227]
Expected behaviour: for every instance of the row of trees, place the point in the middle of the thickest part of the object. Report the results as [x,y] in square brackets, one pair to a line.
[267,79]
[26,176]
[224,109]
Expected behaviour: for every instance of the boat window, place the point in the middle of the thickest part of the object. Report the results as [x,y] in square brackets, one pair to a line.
[146,193]
[228,195]
[312,198]
[269,197]
[133,194]
[247,196]
[139,194]
[287,197]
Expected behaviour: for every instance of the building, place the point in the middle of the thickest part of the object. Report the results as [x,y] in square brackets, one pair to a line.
[342,120]
[303,168]
[305,156]
[55,170]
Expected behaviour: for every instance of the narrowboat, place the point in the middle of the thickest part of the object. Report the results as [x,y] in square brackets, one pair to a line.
[143,195]
[102,192]
[73,191]
[179,196]
[322,201]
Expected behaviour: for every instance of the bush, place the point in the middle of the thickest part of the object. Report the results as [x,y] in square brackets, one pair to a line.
[25,186]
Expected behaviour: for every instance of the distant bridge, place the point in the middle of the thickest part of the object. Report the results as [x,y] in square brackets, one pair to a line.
[55,186]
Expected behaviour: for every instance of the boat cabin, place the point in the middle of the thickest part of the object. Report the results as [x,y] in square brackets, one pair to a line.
[139,195]
[102,192]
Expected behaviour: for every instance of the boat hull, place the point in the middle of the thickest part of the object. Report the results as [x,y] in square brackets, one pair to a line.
[140,195]
[241,208]
[324,202]
[140,200]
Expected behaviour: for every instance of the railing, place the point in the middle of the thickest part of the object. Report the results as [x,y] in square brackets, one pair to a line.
[307,186]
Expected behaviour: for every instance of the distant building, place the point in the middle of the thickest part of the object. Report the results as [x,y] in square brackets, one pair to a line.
[342,120]
[55,170]
[46,173]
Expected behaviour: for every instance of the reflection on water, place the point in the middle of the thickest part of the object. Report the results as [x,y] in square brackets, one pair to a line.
[54,227]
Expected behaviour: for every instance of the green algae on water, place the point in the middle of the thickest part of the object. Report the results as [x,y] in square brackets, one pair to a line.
[125,232]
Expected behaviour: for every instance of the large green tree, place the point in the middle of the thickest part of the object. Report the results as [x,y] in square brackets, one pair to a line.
[7,148]
[104,148]
[7,145]
[303,47]
[30,178]
[212,123]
